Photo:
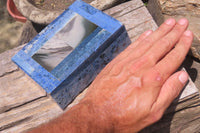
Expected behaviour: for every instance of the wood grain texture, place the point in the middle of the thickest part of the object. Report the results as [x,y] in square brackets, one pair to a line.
[24,105]
[13,83]
[29,115]
[135,17]
[6,65]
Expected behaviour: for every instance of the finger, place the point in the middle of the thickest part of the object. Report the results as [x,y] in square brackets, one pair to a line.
[175,57]
[165,44]
[130,48]
[141,37]
[146,43]
[143,44]
[166,27]
[169,91]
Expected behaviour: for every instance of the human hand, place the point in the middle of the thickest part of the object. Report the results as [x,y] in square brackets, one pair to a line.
[135,89]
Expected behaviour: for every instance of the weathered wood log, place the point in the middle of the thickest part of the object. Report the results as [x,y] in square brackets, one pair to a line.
[25,105]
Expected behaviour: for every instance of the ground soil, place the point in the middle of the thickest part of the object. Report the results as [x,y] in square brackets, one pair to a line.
[54,4]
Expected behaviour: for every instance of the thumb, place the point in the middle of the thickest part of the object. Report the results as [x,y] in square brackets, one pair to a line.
[170,90]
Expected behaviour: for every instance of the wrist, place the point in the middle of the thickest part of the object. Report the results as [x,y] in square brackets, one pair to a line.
[92,117]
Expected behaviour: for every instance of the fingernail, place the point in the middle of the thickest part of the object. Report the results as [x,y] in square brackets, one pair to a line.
[148,32]
[183,78]
[188,33]
[169,21]
[182,21]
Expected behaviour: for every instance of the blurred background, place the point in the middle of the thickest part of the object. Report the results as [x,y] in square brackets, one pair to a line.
[10,29]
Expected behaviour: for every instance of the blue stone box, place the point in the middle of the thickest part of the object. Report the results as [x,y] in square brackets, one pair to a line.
[69,53]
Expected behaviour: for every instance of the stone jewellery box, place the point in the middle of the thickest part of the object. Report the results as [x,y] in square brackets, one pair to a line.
[67,55]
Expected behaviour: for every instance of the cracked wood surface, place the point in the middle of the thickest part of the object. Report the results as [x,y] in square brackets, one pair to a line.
[25,105]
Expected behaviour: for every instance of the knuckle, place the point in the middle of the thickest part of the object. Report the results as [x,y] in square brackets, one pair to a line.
[186,41]
[175,89]
[116,68]
[178,29]
[148,40]
[151,59]
[158,76]
[148,59]
[154,78]
[166,42]
[163,28]
[177,56]
[176,32]
[139,64]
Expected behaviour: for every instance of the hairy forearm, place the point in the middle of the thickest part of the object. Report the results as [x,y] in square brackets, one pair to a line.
[81,118]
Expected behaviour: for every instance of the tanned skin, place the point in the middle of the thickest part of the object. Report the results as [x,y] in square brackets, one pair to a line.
[135,88]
